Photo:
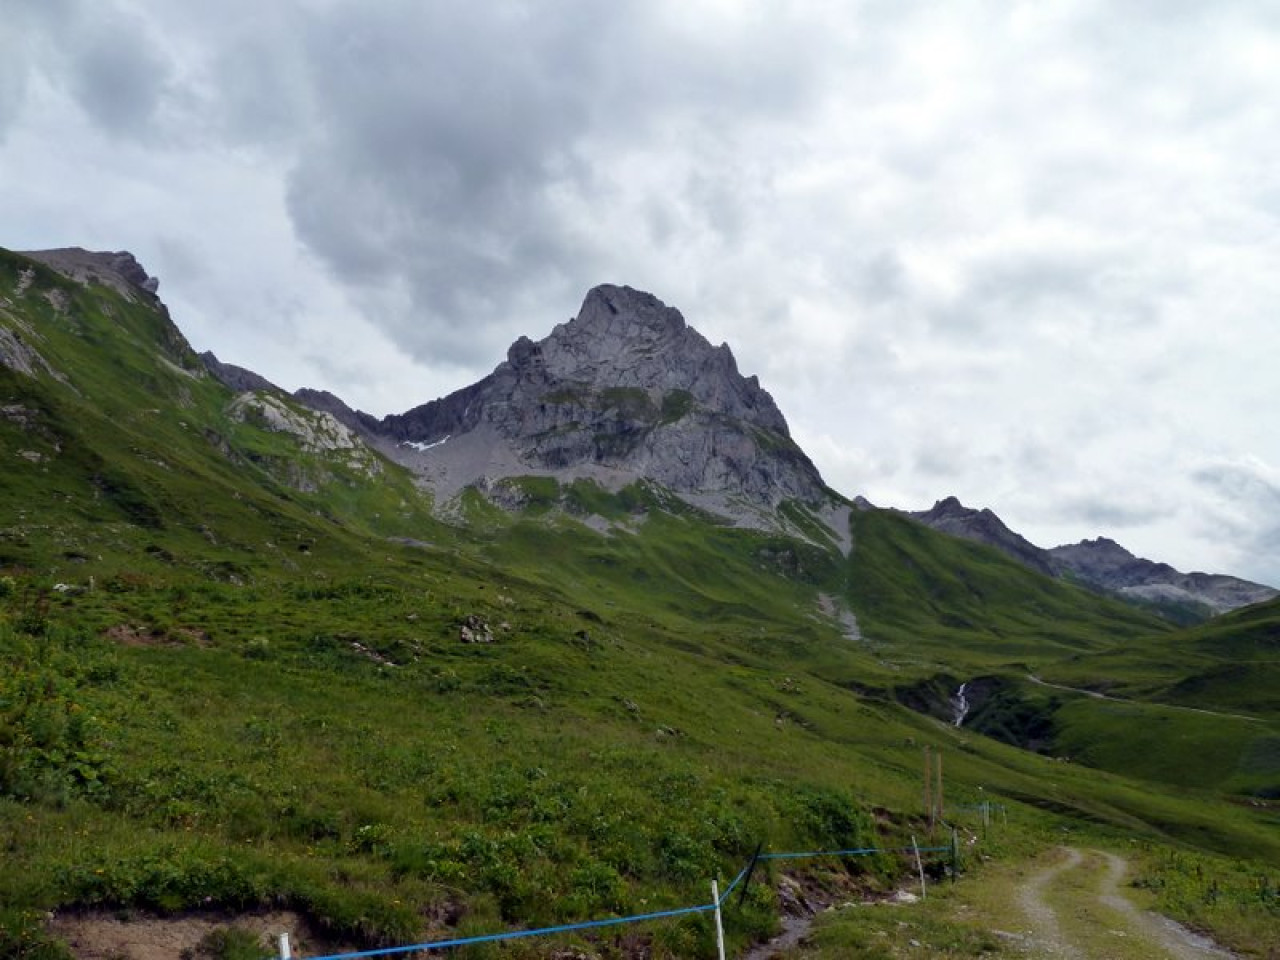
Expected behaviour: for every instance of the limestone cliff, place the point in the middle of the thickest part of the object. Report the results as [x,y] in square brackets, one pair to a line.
[624,391]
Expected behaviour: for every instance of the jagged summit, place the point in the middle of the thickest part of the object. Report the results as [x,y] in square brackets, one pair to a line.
[951,516]
[625,338]
[233,377]
[119,270]
[624,391]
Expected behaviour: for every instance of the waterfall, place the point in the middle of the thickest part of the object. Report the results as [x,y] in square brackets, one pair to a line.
[960,702]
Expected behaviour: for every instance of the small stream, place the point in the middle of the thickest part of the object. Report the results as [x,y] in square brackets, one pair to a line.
[793,931]
[960,704]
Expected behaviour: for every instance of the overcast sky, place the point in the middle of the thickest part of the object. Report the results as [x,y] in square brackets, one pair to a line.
[1023,253]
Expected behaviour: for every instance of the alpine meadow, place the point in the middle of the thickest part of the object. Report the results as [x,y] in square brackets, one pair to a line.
[566,646]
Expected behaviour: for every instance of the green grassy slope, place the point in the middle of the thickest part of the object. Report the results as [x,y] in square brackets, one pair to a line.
[969,606]
[126,448]
[244,694]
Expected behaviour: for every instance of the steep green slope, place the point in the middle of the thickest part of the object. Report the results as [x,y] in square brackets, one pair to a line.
[124,447]
[234,671]
[969,605]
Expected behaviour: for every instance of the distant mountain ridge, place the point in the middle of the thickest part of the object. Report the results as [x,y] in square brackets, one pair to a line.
[1105,564]
[1102,565]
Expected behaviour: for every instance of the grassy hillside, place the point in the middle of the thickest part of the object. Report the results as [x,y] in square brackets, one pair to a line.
[235,675]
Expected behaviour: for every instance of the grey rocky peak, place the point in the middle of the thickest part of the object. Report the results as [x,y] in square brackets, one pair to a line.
[235,378]
[1102,565]
[951,516]
[119,270]
[624,391]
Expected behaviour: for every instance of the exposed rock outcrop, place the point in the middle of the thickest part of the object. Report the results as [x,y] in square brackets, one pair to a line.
[119,270]
[624,391]
[236,378]
[315,432]
[19,355]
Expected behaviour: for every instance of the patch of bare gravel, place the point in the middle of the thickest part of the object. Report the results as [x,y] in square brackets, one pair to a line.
[102,935]
[1045,932]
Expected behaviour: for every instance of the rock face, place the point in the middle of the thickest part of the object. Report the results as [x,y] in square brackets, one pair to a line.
[624,391]
[235,378]
[119,270]
[953,517]
[1101,565]
[1106,565]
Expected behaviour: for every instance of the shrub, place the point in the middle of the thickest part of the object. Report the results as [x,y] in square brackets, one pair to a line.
[229,943]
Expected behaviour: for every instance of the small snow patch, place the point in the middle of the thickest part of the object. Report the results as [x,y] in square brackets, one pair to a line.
[421,446]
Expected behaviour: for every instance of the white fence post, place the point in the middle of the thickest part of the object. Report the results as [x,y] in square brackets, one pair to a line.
[919,865]
[715,897]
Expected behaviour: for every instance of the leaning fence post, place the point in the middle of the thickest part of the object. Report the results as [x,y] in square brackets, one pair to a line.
[928,787]
[715,898]
[285,952]
[919,865]
[955,856]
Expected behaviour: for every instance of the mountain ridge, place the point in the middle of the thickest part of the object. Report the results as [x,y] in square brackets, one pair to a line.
[1101,564]
[628,390]
[624,391]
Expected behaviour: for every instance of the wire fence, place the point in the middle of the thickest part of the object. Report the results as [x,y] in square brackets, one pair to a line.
[714,906]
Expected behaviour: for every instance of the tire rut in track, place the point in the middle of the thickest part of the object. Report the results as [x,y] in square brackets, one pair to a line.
[1088,884]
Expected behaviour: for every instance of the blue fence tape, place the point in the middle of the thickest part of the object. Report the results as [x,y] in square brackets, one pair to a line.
[516,934]
[729,889]
[615,921]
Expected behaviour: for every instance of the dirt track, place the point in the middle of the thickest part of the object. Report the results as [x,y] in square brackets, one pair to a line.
[1076,910]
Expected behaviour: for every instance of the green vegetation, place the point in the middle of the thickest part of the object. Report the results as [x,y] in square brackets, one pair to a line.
[1238,900]
[233,675]
[676,405]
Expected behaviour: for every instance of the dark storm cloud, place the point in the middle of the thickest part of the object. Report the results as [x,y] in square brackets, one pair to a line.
[459,150]
[438,139]
[119,79]
[25,38]
[103,55]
